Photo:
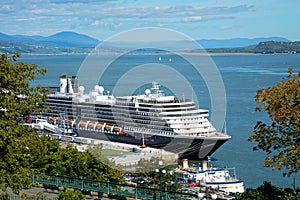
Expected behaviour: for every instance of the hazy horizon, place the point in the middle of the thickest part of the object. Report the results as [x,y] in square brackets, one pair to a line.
[202,19]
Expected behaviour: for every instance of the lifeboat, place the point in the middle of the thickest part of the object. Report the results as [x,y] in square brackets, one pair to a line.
[82,124]
[121,133]
[107,127]
[91,125]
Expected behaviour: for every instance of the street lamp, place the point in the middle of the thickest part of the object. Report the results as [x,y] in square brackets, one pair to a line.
[161,171]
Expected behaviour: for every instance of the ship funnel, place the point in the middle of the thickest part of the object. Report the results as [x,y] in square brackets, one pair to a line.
[185,163]
[204,165]
[70,88]
[63,84]
[75,84]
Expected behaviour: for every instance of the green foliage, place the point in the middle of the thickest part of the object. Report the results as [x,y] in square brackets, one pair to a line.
[22,151]
[281,138]
[267,191]
[4,196]
[107,170]
[70,194]
[17,101]
[148,168]
[267,47]
[277,47]
[15,81]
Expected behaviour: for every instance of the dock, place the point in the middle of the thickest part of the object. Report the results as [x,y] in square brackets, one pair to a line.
[132,153]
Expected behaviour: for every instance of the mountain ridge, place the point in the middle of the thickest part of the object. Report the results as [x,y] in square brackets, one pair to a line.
[237,42]
[72,42]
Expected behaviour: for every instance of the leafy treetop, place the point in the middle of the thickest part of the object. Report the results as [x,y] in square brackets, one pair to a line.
[22,150]
[281,138]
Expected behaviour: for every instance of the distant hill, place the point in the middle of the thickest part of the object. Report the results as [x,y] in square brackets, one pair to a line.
[62,42]
[277,47]
[71,42]
[72,39]
[266,47]
[237,42]
[63,39]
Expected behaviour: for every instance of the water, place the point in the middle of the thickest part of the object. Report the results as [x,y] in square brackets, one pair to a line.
[243,75]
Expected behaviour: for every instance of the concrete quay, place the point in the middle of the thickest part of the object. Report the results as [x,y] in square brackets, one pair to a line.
[129,160]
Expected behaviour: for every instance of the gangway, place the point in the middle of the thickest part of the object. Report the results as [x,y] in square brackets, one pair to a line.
[51,128]
[43,126]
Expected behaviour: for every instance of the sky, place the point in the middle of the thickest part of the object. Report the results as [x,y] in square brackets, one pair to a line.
[198,19]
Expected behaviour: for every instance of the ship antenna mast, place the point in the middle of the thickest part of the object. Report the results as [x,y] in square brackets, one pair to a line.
[155,88]
[143,139]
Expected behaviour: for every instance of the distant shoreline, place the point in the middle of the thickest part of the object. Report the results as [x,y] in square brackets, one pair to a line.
[216,53]
[162,53]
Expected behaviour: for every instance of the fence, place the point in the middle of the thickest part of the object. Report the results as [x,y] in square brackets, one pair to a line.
[106,187]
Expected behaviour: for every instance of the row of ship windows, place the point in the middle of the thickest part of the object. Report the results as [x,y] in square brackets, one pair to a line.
[61,111]
[178,129]
[126,121]
[109,109]
[148,122]
[187,124]
[108,114]
[123,118]
[147,130]
[89,107]
[189,119]
[148,126]
[154,105]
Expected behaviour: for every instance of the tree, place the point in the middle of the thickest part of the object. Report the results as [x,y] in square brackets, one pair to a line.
[70,194]
[267,191]
[148,168]
[280,139]
[24,152]
[107,170]
[18,99]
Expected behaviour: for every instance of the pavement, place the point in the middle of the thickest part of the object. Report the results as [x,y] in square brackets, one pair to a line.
[129,161]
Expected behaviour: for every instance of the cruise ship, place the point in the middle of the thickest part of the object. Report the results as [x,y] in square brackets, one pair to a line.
[150,119]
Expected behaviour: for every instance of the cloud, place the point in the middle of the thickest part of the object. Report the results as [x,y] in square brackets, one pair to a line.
[5,8]
[112,24]
[25,19]
[108,14]
[51,12]
[192,19]
[187,12]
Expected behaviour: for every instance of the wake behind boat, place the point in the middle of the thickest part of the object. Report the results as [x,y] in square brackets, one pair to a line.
[150,119]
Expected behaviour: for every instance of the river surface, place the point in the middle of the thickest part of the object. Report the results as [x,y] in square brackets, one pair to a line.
[242,76]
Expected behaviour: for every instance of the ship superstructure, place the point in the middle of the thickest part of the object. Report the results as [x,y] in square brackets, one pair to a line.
[152,119]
